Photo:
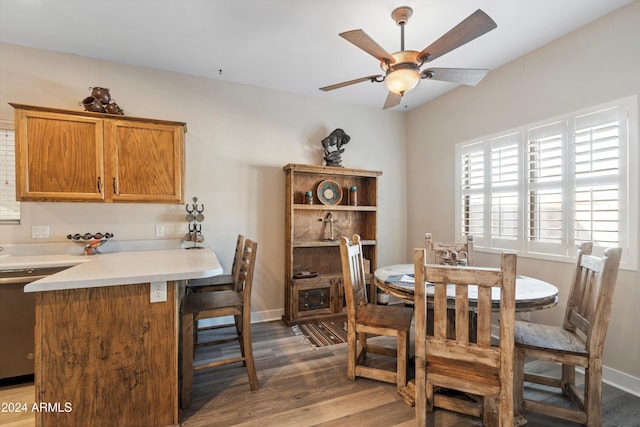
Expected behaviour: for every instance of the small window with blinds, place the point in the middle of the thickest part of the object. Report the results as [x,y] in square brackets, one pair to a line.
[543,189]
[9,207]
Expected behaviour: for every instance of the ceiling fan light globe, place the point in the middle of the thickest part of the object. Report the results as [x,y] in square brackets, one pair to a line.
[402,80]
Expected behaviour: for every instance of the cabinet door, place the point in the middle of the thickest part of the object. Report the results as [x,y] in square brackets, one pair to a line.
[58,157]
[146,161]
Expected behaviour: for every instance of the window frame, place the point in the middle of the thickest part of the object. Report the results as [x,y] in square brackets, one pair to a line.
[628,187]
[9,125]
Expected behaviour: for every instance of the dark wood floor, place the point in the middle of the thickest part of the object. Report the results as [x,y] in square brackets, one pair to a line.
[305,386]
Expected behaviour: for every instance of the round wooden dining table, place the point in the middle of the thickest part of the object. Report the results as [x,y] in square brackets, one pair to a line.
[531,294]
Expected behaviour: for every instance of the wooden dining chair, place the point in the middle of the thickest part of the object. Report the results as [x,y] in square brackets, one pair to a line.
[477,368]
[364,319]
[205,305]
[222,282]
[577,343]
[449,252]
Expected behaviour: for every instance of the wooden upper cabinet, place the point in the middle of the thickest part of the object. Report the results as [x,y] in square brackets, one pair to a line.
[146,161]
[79,156]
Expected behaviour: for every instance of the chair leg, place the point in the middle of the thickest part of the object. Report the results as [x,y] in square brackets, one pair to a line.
[238,324]
[401,356]
[187,359]
[488,407]
[593,392]
[194,333]
[429,394]
[247,352]
[568,379]
[352,351]
[518,386]
[362,338]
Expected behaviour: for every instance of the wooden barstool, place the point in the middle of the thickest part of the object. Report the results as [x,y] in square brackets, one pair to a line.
[206,305]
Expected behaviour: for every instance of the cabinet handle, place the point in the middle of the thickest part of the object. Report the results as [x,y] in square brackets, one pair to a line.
[115,187]
[99,185]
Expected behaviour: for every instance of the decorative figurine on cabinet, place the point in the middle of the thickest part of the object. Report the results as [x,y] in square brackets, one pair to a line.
[332,145]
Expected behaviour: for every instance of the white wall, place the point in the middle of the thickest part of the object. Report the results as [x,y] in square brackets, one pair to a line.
[599,63]
[239,138]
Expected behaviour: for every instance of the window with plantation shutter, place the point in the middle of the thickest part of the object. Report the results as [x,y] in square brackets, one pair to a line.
[504,190]
[9,207]
[545,147]
[471,177]
[545,188]
[597,174]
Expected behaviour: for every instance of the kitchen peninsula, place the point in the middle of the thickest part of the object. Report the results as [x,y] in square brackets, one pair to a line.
[106,350]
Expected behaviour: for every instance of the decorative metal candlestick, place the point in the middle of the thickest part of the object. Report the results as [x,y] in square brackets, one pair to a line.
[194,217]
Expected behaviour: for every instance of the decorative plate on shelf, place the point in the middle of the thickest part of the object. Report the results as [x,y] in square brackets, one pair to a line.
[329,192]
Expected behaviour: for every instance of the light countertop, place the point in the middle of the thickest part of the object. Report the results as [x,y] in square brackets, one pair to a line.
[8,262]
[119,268]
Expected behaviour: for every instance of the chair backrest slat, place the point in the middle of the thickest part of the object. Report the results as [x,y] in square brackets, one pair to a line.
[484,316]
[462,314]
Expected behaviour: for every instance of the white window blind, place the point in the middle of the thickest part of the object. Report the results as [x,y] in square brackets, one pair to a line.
[546,147]
[504,168]
[597,172]
[545,188]
[471,175]
[9,208]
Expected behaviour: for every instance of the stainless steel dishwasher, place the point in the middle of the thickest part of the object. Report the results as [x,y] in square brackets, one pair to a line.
[18,319]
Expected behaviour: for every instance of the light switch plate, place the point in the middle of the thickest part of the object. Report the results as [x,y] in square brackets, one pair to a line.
[158,291]
[40,232]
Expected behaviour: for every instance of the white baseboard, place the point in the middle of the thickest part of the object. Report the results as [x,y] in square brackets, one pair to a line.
[621,380]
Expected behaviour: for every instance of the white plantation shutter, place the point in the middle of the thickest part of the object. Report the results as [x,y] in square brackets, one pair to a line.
[9,208]
[546,148]
[471,176]
[597,175]
[504,190]
[544,189]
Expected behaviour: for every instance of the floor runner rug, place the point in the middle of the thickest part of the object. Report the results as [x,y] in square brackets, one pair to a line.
[323,333]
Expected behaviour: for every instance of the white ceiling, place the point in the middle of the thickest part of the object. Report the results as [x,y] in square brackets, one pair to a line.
[290,45]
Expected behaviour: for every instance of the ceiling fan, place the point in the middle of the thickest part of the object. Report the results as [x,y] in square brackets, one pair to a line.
[402,69]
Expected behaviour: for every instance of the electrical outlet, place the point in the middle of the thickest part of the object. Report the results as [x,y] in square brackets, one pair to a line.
[40,232]
[159,230]
[158,291]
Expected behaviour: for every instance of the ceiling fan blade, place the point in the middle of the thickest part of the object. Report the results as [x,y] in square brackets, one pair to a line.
[393,99]
[475,25]
[366,43]
[373,78]
[465,76]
